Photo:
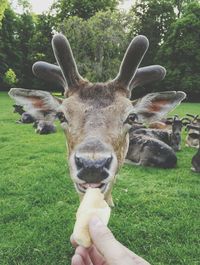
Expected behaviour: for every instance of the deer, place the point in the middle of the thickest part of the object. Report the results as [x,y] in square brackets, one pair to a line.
[25,116]
[95,116]
[155,147]
[43,125]
[193,134]
[196,158]
[170,137]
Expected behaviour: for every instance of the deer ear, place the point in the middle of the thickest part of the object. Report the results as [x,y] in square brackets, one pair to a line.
[36,102]
[154,106]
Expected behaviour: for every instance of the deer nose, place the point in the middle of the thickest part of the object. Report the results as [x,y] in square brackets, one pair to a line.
[93,171]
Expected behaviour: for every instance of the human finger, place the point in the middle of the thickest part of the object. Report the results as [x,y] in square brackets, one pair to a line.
[77,260]
[96,257]
[73,242]
[84,253]
[106,243]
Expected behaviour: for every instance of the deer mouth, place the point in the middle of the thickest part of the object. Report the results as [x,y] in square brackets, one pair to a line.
[83,187]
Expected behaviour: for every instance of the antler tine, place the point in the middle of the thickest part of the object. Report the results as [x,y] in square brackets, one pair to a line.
[146,75]
[49,72]
[169,118]
[132,58]
[191,115]
[185,118]
[176,117]
[65,59]
[196,117]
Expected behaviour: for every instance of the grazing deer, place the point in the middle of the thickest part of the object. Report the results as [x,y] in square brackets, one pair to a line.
[193,134]
[25,116]
[95,117]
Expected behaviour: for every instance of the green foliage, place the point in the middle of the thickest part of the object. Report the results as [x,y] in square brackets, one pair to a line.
[153,20]
[26,31]
[24,39]
[98,43]
[83,9]
[99,35]
[180,5]
[180,53]
[9,44]
[10,77]
[3,5]
[156,211]
[25,4]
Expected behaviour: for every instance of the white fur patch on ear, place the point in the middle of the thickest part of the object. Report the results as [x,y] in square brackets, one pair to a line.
[40,104]
[155,106]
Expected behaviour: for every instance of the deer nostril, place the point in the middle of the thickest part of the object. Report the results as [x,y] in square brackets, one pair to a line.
[108,162]
[99,164]
[79,162]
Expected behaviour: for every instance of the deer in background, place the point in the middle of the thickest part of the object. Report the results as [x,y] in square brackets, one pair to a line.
[155,147]
[193,134]
[44,124]
[95,117]
[44,127]
[25,116]
[196,157]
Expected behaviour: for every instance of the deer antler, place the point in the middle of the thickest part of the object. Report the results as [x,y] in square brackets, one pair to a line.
[192,116]
[65,59]
[146,75]
[132,58]
[49,72]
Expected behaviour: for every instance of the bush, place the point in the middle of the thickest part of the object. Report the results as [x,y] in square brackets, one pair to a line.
[10,77]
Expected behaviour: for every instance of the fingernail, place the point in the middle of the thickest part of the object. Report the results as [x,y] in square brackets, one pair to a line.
[95,221]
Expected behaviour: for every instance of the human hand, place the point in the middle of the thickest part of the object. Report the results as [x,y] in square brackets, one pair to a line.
[106,250]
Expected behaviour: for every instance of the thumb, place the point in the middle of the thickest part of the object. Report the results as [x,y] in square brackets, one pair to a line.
[106,243]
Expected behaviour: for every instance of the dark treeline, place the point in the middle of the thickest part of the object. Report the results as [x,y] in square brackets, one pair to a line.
[99,34]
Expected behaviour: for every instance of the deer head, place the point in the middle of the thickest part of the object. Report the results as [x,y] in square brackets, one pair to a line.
[18,109]
[96,117]
[193,125]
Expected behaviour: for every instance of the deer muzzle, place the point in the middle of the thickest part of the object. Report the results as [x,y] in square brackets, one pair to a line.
[93,164]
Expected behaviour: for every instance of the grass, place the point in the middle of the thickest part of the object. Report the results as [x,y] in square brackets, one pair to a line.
[156,213]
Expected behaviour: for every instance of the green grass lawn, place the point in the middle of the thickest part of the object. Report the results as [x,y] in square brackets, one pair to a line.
[156,211]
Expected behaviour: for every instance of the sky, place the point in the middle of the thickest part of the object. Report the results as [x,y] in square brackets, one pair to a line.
[40,6]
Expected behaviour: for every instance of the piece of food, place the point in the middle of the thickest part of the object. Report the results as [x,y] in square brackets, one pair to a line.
[92,204]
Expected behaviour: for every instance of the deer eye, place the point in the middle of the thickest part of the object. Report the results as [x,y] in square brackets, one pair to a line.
[131,118]
[61,117]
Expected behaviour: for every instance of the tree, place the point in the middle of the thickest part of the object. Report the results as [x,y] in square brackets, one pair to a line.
[180,53]
[180,6]
[98,43]
[26,31]
[41,49]
[153,19]
[3,5]
[83,9]
[9,43]
[10,77]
